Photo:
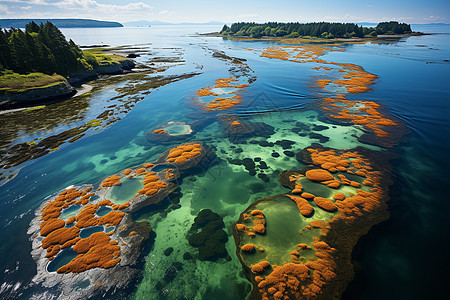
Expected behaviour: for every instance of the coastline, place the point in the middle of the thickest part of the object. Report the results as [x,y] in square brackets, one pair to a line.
[60,91]
[315,40]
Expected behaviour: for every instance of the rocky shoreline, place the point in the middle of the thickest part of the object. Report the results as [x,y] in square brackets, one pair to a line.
[62,90]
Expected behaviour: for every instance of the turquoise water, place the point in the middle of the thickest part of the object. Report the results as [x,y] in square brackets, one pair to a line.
[413,86]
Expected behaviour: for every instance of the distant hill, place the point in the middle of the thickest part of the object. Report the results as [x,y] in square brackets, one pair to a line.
[62,23]
[156,22]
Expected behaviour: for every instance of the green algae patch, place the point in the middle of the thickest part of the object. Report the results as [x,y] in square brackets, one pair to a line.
[34,108]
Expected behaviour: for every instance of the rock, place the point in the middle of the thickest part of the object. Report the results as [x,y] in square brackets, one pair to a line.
[209,238]
[168,251]
[172,271]
[36,96]
[248,164]
[289,153]
[319,127]
[275,154]
[285,144]
[263,177]
[263,165]
[265,144]
[187,256]
[257,159]
[321,138]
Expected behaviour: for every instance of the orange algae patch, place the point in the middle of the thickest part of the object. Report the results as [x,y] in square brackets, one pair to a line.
[303,205]
[159,131]
[248,248]
[51,225]
[323,82]
[132,233]
[148,165]
[126,172]
[319,175]
[317,224]
[259,267]
[64,200]
[325,204]
[96,251]
[259,228]
[307,195]
[205,92]
[111,181]
[184,152]
[222,103]
[234,123]
[87,218]
[339,196]
[152,184]
[367,114]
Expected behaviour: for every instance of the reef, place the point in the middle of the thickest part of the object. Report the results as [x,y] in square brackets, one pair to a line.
[169,132]
[312,260]
[208,236]
[85,241]
[239,130]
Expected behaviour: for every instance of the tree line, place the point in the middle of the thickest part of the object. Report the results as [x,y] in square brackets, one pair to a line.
[321,29]
[41,48]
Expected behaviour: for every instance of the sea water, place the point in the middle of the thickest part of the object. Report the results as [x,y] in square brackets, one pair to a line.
[402,258]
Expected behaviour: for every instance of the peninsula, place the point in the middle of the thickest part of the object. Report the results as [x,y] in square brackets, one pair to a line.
[39,65]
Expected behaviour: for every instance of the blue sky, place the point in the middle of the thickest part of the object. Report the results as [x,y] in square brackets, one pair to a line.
[409,11]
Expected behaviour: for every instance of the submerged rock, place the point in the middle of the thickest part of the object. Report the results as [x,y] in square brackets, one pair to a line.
[169,132]
[208,236]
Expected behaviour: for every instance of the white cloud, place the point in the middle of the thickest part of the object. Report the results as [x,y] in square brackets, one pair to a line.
[91,5]
[26,7]
[167,12]
[4,10]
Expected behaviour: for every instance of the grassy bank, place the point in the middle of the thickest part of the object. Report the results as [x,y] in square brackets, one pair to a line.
[13,82]
[97,57]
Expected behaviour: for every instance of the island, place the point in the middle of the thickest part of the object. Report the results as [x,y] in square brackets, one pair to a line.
[38,65]
[61,23]
[325,30]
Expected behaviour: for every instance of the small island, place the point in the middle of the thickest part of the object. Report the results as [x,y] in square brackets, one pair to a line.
[323,30]
[39,65]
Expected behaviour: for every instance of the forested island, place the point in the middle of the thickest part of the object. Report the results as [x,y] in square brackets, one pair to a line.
[317,30]
[61,23]
[40,64]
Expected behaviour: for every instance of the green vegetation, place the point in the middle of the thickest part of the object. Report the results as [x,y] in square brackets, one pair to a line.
[316,30]
[41,48]
[34,57]
[95,57]
[393,28]
[10,81]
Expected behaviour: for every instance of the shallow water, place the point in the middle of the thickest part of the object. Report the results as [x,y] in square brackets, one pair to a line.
[412,86]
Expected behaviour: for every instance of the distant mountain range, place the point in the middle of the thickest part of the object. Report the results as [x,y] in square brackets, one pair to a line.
[62,23]
[156,22]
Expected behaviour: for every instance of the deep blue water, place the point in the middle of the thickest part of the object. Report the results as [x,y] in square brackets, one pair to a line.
[402,258]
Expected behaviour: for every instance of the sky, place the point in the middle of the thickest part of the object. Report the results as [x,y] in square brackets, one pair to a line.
[228,11]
